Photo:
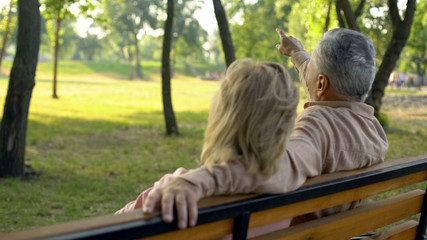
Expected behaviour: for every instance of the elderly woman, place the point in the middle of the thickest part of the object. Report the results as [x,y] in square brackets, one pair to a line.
[250,120]
[336,131]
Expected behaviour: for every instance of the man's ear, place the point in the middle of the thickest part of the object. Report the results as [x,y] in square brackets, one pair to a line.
[322,84]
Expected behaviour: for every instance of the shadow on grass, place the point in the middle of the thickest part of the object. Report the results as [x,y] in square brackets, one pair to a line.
[94,167]
[407,136]
[62,127]
[66,196]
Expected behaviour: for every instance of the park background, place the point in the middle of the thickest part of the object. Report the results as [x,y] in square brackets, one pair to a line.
[100,139]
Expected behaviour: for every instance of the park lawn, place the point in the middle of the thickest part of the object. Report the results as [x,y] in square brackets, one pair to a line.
[99,145]
[102,142]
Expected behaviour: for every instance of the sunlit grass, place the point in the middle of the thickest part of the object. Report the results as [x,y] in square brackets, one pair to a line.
[102,142]
[405,91]
[102,99]
[407,133]
[99,145]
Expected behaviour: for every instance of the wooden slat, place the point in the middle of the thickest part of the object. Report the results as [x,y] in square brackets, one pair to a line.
[219,200]
[78,226]
[406,230]
[213,230]
[277,214]
[312,205]
[109,220]
[356,221]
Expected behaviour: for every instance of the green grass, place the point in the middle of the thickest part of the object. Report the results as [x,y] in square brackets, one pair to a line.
[99,145]
[118,70]
[403,91]
[102,142]
[407,133]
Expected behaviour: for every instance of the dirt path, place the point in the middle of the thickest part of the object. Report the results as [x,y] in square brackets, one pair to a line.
[405,101]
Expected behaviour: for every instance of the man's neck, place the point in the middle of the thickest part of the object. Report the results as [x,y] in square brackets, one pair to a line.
[332,95]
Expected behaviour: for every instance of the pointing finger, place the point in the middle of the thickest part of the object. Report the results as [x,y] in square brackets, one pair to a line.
[280,32]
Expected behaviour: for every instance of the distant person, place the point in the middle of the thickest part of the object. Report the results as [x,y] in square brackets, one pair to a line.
[250,120]
[400,80]
[409,81]
[393,79]
[336,131]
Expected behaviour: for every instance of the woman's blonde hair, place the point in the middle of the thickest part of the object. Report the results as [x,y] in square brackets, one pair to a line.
[251,117]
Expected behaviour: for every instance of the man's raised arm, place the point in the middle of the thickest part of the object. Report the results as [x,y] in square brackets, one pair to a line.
[292,47]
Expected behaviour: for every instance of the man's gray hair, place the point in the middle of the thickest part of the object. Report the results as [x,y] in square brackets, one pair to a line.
[347,57]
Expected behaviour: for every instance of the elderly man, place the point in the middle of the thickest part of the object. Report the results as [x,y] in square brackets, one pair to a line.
[336,131]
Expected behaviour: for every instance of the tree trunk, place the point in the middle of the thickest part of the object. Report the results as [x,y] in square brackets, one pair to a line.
[6,32]
[21,82]
[130,59]
[171,126]
[328,18]
[359,9]
[137,59]
[55,60]
[349,16]
[224,32]
[341,22]
[400,35]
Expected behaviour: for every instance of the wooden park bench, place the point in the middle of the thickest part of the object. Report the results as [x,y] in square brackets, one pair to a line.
[223,215]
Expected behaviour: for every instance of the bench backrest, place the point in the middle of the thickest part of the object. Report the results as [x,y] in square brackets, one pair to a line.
[219,216]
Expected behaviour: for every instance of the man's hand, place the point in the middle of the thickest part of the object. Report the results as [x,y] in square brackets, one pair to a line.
[168,177]
[288,44]
[180,193]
